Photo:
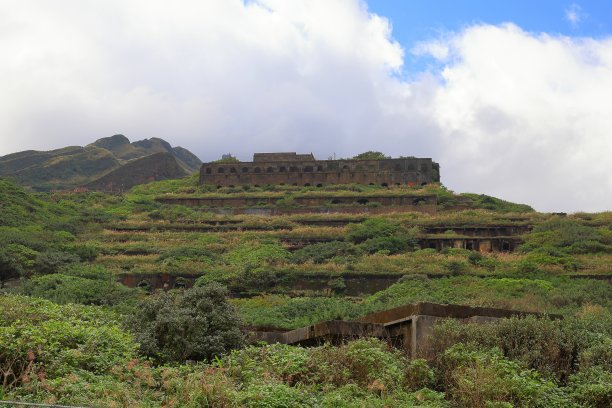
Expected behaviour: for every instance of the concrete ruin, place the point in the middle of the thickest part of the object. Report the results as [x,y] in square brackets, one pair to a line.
[408,327]
[304,170]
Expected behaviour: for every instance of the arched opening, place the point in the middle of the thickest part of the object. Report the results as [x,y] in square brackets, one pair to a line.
[220,170]
[245,169]
[270,170]
[319,185]
[505,246]
[362,201]
[385,185]
[282,169]
[144,284]
[345,167]
[319,168]
[208,170]
[308,169]
[417,201]
[257,170]
[180,283]
[232,169]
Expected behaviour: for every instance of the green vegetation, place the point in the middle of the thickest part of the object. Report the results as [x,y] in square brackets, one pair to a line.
[195,324]
[371,155]
[76,166]
[70,333]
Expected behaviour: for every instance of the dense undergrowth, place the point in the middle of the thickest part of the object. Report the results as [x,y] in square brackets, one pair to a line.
[82,345]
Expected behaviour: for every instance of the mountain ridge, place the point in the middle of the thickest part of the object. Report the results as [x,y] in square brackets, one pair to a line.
[81,166]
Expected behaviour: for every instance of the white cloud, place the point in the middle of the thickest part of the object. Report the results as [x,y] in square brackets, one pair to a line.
[575,15]
[505,112]
[527,117]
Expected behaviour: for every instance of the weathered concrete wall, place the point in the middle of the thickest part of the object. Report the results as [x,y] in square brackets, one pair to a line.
[284,170]
[409,327]
[310,200]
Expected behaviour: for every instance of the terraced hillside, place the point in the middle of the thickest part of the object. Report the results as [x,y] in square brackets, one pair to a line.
[344,259]
[293,257]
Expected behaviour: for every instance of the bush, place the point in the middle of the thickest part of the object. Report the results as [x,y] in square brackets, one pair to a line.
[52,261]
[571,236]
[255,254]
[391,245]
[41,339]
[193,324]
[63,289]
[322,252]
[592,387]
[371,228]
[484,378]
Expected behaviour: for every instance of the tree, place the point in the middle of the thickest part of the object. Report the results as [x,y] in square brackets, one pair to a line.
[371,155]
[193,324]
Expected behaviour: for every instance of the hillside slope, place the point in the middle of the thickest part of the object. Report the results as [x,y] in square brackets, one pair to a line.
[155,167]
[77,166]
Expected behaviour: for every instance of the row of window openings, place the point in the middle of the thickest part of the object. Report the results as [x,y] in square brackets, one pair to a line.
[321,185]
[307,169]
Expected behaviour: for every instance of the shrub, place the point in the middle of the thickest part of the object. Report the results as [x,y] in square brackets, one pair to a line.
[193,324]
[324,251]
[40,338]
[255,254]
[483,378]
[592,387]
[419,375]
[63,289]
[371,228]
[569,235]
[455,268]
[391,244]
[52,261]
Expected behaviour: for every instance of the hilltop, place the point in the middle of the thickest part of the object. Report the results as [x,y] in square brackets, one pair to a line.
[101,164]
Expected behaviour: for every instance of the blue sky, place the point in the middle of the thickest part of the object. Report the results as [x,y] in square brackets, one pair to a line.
[421,19]
[520,111]
[414,21]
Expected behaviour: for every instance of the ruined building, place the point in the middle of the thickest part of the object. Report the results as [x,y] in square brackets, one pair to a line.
[305,170]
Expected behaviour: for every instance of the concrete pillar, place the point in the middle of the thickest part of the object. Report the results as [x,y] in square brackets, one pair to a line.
[421,330]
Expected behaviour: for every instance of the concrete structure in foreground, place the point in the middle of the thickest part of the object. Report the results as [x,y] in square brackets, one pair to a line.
[409,327]
[304,170]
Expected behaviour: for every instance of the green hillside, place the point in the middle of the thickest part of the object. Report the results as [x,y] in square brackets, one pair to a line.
[140,299]
[76,166]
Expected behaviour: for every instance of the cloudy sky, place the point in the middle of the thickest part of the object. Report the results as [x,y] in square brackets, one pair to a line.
[512,100]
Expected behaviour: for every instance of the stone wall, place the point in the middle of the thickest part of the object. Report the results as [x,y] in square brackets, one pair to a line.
[285,169]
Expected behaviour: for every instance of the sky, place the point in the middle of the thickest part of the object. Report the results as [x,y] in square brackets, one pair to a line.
[512,98]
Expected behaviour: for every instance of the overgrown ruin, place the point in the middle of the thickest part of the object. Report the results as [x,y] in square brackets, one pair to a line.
[408,327]
[304,170]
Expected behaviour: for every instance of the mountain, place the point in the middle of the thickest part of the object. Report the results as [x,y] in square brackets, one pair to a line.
[98,163]
[157,166]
